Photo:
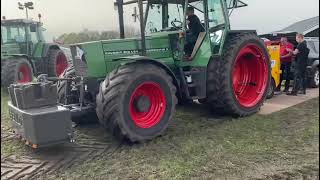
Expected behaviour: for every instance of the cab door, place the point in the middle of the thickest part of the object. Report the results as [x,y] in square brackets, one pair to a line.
[218,24]
[34,41]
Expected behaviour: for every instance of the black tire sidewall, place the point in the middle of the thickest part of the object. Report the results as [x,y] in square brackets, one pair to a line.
[63,86]
[163,123]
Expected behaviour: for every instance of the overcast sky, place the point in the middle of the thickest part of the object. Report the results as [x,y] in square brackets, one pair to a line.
[64,16]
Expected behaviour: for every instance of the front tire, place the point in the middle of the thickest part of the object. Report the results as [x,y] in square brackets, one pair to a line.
[17,70]
[314,81]
[58,62]
[237,84]
[136,102]
[65,95]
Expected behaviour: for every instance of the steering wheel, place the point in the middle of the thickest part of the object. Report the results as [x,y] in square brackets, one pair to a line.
[179,26]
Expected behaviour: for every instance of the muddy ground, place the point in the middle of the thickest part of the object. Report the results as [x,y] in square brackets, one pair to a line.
[197,145]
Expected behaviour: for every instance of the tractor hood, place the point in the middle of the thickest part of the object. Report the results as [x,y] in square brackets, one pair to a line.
[9,49]
[158,46]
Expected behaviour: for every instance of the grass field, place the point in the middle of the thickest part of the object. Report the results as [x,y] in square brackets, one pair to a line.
[199,145]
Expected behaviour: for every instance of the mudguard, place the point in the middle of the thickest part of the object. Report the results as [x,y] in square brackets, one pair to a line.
[144,59]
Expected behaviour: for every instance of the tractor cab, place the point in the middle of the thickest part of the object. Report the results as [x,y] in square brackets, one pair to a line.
[20,36]
[170,17]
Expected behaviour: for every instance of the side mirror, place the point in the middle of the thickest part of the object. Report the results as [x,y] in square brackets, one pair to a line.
[33,28]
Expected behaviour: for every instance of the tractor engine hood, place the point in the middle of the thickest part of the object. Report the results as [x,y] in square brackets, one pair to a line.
[96,58]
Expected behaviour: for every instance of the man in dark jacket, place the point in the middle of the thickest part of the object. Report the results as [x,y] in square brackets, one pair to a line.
[300,75]
[195,27]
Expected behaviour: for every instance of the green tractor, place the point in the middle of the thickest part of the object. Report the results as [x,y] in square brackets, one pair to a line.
[24,52]
[133,85]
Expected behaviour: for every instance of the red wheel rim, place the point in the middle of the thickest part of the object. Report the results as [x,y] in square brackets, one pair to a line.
[24,74]
[61,64]
[250,75]
[157,107]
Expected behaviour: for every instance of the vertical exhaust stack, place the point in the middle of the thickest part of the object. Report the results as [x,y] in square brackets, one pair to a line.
[39,16]
[143,37]
[119,5]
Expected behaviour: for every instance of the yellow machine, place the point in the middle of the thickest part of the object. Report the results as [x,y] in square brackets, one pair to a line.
[274,52]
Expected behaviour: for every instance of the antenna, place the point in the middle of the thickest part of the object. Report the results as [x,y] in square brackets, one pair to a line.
[39,16]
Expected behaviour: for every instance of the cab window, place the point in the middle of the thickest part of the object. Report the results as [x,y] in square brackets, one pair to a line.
[217,21]
[198,10]
[33,34]
[13,34]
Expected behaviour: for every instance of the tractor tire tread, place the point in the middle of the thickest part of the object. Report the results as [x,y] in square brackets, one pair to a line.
[111,89]
[8,70]
[218,88]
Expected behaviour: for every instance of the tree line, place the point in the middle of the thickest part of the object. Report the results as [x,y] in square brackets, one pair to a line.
[87,35]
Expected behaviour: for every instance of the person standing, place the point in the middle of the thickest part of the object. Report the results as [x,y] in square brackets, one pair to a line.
[286,58]
[300,75]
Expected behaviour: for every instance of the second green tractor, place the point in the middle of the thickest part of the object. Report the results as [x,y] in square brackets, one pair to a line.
[24,52]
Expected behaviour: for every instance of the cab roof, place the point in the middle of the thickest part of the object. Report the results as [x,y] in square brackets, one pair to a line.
[125,2]
[18,21]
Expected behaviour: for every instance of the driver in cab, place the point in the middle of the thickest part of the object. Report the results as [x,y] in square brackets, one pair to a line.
[194,29]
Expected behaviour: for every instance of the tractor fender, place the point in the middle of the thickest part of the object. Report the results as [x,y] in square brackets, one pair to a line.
[237,32]
[47,47]
[26,57]
[143,59]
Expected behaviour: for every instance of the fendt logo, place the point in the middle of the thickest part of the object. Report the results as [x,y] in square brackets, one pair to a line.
[135,51]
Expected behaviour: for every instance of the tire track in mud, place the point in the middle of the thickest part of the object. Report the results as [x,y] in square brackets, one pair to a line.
[7,134]
[46,161]
[310,172]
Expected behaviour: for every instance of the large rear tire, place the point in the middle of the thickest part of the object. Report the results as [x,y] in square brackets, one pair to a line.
[237,84]
[17,70]
[136,102]
[58,62]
